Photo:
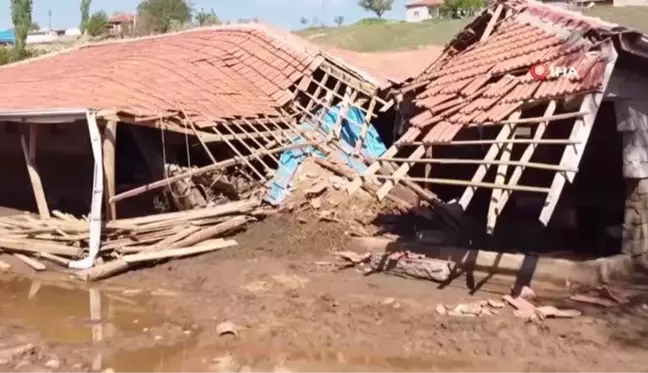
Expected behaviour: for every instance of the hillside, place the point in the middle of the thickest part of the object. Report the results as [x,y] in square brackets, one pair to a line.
[386,36]
[398,35]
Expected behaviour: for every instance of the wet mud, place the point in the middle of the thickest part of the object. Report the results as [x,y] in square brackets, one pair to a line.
[290,312]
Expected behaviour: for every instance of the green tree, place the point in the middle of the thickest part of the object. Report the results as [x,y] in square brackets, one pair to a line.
[85,15]
[204,18]
[21,15]
[339,20]
[377,6]
[97,23]
[34,26]
[460,8]
[303,21]
[161,14]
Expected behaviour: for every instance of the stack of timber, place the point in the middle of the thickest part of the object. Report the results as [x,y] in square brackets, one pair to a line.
[126,242]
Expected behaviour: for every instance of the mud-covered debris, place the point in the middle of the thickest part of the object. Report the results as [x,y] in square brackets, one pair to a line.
[354,257]
[527,293]
[316,203]
[330,215]
[337,182]
[550,311]
[316,190]
[108,370]
[225,363]
[16,352]
[302,220]
[496,303]
[389,301]
[226,328]
[615,295]
[526,314]
[52,364]
[441,310]
[593,300]
[519,303]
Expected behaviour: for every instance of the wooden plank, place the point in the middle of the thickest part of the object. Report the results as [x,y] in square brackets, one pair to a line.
[29,152]
[399,173]
[356,184]
[365,124]
[179,252]
[494,150]
[539,166]
[109,147]
[500,178]
[583,127]
[492,23]
[472,184]
[37,246]
[213,167]
[491,142]
[33,263]
[526,156]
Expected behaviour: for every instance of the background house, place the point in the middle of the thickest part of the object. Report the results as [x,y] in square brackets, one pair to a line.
[420,10]
[121,22]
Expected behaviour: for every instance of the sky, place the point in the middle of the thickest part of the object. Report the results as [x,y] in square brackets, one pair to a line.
[283,13]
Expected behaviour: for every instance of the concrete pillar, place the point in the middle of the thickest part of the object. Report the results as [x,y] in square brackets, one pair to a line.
[635,221]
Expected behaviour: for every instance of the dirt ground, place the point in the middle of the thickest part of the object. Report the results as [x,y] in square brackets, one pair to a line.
[291,312]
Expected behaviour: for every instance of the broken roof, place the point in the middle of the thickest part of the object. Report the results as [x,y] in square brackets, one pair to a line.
[491,78]
[210,74]
[484,78]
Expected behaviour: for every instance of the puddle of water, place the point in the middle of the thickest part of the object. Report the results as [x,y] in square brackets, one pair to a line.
[188,358]
[71,315]
[67,314]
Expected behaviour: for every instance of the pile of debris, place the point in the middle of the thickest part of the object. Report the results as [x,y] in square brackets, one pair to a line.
[125,242]
[523,304]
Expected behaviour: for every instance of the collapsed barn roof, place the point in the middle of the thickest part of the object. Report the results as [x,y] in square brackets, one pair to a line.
[494,74]
[210,74]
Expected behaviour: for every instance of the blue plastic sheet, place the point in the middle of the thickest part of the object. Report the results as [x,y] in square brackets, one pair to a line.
[290,160]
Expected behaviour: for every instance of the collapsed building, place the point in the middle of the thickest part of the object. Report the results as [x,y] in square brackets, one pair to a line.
[210,119]
[527,130]
[522,136]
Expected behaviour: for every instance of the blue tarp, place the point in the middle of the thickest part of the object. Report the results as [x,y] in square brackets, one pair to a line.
[373,147]
[7,37]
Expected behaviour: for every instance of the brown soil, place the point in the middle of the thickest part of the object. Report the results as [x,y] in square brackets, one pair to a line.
[292,312]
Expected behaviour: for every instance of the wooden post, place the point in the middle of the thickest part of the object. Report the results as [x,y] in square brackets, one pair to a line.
[29,151]
[109,145]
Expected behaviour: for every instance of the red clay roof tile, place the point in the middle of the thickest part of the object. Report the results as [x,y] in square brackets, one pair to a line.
[533,34]
[213,73]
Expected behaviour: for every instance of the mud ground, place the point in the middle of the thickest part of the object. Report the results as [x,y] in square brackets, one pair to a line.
[292,312]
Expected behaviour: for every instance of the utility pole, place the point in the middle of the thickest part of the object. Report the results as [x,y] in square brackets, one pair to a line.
[49,14]
[322,14]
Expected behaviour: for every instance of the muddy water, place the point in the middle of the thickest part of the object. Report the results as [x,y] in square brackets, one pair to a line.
[117,323]
[129,336]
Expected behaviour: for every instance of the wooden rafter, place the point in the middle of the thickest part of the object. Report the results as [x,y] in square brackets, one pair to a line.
[109,148]
[492,153]
[29,152]
[580,132]
[498,206]
[356,184]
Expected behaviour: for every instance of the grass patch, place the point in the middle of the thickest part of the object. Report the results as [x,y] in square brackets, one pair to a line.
[368,36]
[375,35]
[635,17]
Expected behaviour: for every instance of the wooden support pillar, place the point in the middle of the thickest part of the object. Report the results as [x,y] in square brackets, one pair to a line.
[29,151]
[109,140]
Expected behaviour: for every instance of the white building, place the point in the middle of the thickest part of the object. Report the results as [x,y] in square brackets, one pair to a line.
[44,36]
[420,10]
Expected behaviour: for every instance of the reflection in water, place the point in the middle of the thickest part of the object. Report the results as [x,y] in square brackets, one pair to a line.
[64,313]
